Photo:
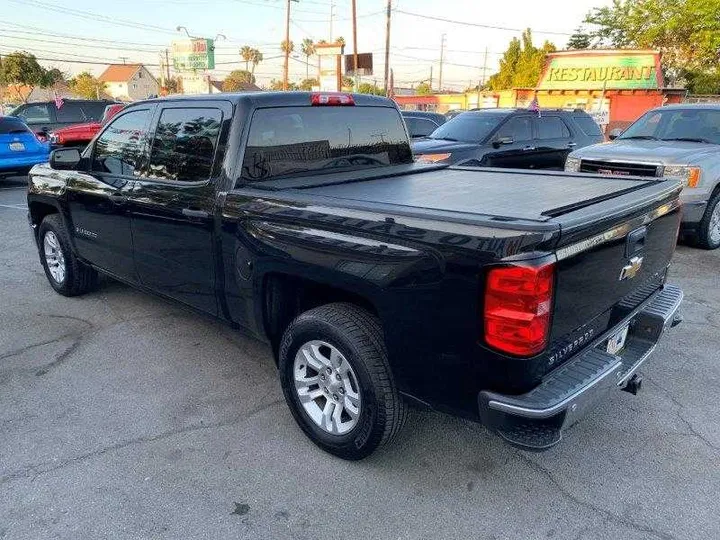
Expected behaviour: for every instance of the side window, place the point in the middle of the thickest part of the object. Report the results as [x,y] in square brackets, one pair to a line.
[38,113]
[184,144]
[94,110]
[552,127]
[70,111]
[420,127]
[119,149]
[519,128]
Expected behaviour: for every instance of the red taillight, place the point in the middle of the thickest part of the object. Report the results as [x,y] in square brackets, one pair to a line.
[331,99]
[518,305]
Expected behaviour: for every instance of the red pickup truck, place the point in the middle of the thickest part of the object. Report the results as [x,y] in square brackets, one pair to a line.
[82,134]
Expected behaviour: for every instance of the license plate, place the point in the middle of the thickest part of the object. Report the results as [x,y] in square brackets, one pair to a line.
[17,147]
[617,342]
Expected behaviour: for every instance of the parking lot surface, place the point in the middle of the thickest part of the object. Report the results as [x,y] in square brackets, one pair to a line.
[124,416]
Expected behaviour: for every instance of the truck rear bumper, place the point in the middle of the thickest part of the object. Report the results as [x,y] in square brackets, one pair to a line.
[536,420]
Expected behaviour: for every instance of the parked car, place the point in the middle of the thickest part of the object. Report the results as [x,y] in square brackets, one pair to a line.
[44,116]
[677,141]
[509,297]
[453,113]
[20,149]
[81,134]
[421,123]
[517,138]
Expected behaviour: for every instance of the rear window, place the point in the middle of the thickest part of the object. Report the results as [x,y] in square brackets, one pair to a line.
[71,112]
[8,126]
[552,127]
[473,127]
[587,125]
[294,141]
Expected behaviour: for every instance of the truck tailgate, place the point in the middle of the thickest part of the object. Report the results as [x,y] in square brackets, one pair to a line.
[612,256]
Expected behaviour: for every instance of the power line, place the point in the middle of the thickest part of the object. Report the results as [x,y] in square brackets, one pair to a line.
[478,25]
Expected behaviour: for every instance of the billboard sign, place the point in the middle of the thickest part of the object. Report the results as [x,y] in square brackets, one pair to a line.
[193,54]
[365,64]
[595,70]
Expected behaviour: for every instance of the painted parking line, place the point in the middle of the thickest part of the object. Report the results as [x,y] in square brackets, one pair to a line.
[14,206]
[18,188]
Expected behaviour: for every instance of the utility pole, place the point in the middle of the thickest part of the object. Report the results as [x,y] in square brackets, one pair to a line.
[431,77]
[355,52]
[123,58]
[387,45]
[287,47]
[332,9]
[442,54]
[162,71]
[167,66]
[484,71]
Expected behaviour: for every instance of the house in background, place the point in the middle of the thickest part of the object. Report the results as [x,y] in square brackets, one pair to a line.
[129,82]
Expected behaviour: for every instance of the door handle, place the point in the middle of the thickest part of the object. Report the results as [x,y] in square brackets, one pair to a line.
[193,213]
[528,148]
[118,199]
[572,144]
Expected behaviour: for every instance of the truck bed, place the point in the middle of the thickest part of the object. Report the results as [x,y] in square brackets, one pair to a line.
[501,193]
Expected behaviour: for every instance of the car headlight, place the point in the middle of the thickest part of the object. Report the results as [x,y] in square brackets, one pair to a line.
[572,164]
[689,175]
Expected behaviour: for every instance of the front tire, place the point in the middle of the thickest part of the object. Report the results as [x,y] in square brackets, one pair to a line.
[709,230]
[337,381]
[66,274]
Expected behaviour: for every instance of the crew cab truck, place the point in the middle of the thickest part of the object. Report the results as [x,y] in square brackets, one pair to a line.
[509,297]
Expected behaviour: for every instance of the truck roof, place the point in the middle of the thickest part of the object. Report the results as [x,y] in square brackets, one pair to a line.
[276,99]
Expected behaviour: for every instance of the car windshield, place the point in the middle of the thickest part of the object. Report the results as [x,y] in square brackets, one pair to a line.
[12,126]
[691,125]
[473,127]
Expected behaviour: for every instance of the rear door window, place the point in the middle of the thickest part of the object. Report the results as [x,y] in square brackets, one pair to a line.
[184,144]
[420,127]
[518,128]
[94,110]
[588,125]
[552,127]
[297,141]
[71,112]
[120,148]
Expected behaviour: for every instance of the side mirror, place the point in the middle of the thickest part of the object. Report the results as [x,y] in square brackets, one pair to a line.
[614,134]
[64,159]
[500,141]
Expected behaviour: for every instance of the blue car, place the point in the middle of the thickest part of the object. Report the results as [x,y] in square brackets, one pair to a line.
[20,149]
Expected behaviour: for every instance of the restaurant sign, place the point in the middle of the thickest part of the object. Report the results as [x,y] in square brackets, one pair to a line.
[193,54]
[595,70]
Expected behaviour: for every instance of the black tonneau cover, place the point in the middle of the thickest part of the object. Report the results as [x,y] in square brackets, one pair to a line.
[505,193]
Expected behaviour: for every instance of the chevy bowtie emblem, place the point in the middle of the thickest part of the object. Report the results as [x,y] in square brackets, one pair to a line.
[630,270]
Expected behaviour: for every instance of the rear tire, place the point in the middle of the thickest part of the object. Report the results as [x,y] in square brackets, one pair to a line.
[66,274]
[709,228]
[356,407]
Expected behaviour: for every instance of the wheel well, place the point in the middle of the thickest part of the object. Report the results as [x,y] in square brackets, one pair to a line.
[286,297]
[39,211]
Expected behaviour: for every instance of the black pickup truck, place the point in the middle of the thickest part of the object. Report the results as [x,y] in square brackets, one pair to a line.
[512,298]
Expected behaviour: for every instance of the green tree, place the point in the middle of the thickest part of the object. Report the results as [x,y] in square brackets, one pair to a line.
[52,77]
[340,41]
[22,68]
[288,47]
[246,53]
[237,79]
[257,57]
[278,85]
[579,40]
[87,86]
[367,88]
[308,84]
[308,49]
[347,83]
[521,64]
[687,32]
[423,89]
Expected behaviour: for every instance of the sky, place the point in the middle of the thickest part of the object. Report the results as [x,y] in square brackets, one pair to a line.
[102,32]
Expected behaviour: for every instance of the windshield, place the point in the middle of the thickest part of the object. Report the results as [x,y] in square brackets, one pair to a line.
[692,125]
[12,126]
[295,141]
[472,127]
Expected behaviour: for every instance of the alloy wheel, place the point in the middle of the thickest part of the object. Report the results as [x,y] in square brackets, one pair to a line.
[54,257]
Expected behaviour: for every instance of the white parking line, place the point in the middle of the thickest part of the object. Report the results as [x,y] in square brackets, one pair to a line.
[12,188]
[13,206]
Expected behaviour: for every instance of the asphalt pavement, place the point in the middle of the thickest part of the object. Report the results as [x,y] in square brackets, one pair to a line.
[124,416]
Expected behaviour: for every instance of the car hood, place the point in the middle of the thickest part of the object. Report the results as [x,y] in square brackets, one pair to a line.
[432,146]
[78,128]
[664,152]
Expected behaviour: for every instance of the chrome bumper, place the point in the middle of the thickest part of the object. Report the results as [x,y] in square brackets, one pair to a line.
[535,420]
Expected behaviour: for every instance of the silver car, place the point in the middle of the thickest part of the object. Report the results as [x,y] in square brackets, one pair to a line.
[674,141]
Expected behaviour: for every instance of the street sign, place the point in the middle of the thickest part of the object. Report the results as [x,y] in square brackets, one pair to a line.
[602,118]
[193,54]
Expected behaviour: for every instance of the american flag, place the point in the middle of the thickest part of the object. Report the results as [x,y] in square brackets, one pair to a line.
[58,101]
[535,106]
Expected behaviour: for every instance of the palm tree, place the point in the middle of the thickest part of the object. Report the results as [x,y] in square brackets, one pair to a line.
[340,41]
[257,57]
[308,49]
[247,54]
[287,47]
